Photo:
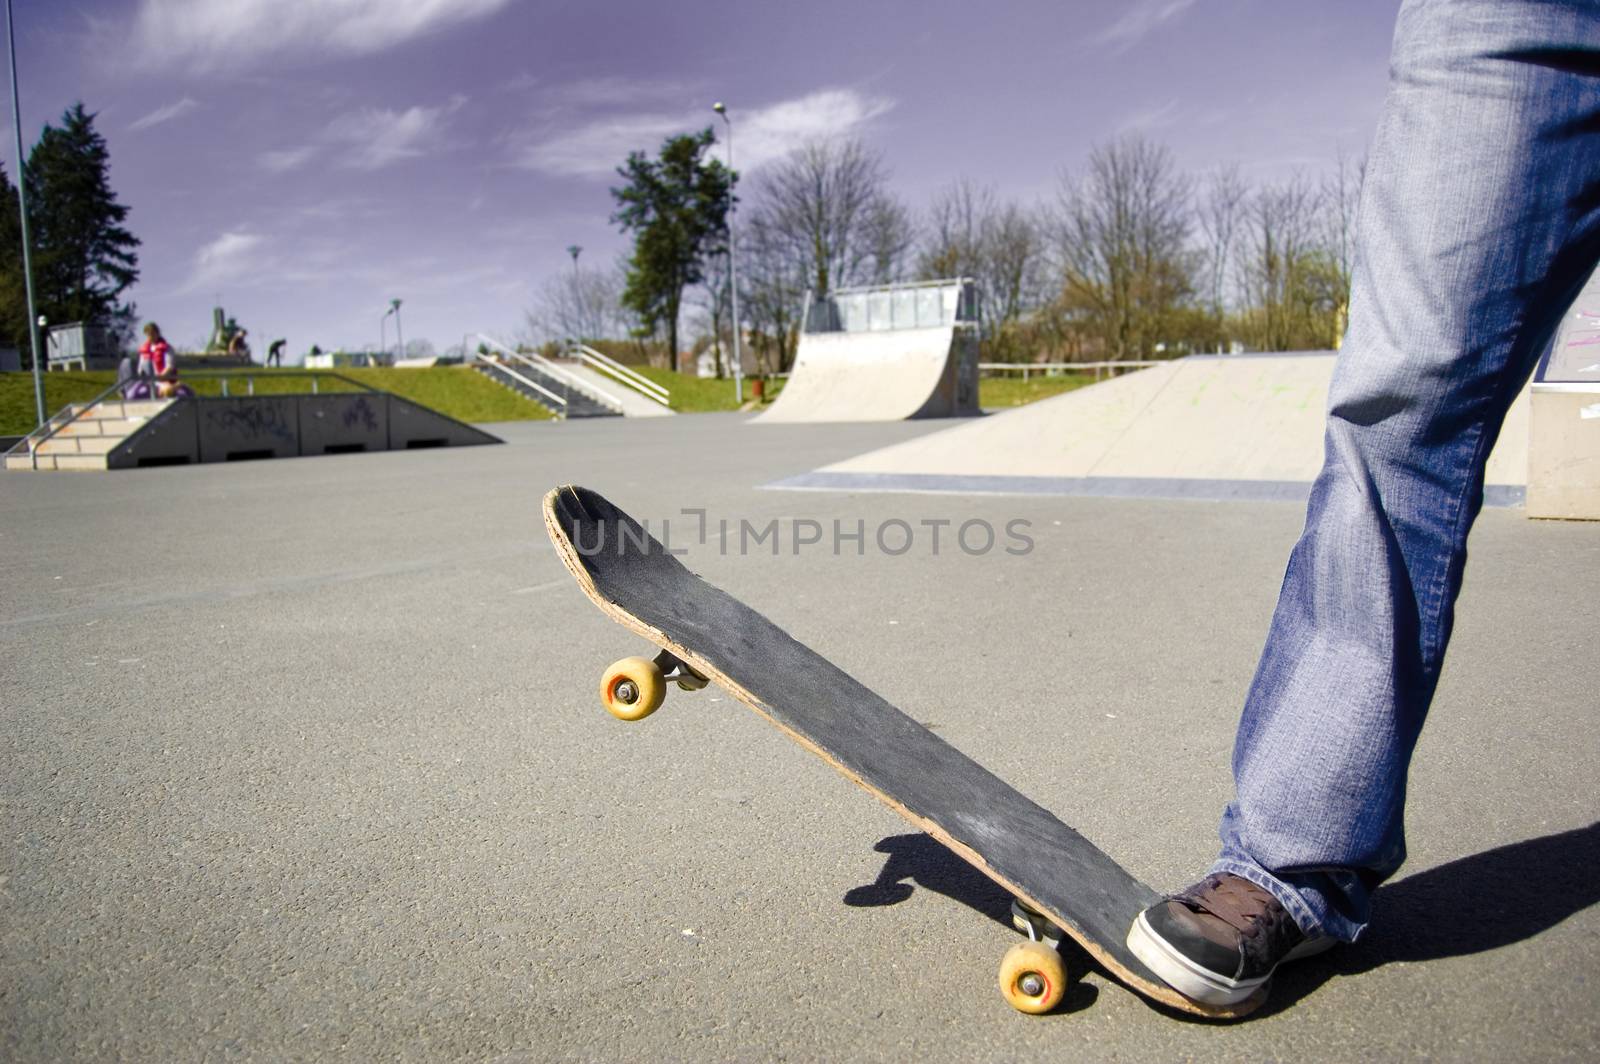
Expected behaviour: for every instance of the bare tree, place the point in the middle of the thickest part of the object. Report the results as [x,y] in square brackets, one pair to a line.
[970,232]
[1218,217]
[579,304]
[1123,230]
[1341,193]
[711,324]
[773,277]
[826,204]
[891,238]
[954,230]
[1285,270]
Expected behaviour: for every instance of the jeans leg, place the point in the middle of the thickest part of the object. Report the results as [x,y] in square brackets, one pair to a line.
[1479,222]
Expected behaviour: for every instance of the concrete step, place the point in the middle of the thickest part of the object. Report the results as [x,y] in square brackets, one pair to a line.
[80,444]
[127,408]
[76,462]
[85,463]
[102,426]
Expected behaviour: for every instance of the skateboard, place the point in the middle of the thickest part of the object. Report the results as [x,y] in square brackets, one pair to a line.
[1063,883]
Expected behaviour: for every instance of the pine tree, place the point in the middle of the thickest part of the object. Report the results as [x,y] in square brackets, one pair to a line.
[677,210]
[13,294]
[83,257]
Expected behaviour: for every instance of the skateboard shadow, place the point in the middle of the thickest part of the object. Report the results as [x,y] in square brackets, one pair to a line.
[931,866]
[1472,905]
[928,864]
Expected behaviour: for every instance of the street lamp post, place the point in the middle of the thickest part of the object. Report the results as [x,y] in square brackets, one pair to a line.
[577,292]
[733,266]
[399,338]
[22,207]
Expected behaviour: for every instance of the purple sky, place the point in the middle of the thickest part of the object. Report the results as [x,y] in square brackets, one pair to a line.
[306,160]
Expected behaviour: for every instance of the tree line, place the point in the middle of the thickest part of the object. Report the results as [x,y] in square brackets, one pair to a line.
[1130,259]
[84,257]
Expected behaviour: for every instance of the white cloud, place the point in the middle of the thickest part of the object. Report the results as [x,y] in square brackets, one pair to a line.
[229,257]
[598,147]
[165,114]
[375,137]
[371,138]
[214,34]
[1140,20]
[1151,119]
[283,160]
[771,132]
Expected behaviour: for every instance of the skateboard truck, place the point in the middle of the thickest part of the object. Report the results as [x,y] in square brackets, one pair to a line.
[1033,977]
[633,688]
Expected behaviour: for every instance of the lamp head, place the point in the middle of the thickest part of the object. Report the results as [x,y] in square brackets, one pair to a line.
[720,109]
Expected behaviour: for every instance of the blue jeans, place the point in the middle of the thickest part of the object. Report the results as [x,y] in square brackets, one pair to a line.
[1479,222]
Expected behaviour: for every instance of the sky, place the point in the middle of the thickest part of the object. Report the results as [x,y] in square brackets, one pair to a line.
[306,161]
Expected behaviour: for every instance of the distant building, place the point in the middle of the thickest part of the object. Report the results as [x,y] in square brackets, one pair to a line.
[82,345]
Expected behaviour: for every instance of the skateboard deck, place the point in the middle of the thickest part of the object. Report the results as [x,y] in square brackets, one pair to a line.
[707,634]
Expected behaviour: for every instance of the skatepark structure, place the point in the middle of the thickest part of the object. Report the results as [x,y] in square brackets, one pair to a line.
[884,353]
[587,383]
[1564,440]
[110,432]
[1203,427]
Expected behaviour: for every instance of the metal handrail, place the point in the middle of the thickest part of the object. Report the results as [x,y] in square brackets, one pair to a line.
[514,375]
[50,428]
[544,365]
[56,423]
[1026,368]
[622,374]
[1030,366]
[316,376]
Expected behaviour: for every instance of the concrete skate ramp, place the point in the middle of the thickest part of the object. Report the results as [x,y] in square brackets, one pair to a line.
[1205,427]
[877,376]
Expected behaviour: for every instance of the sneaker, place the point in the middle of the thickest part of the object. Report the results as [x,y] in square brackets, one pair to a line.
[1220,940]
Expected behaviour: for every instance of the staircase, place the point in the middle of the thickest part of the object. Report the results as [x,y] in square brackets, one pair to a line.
[549,385]
[88,438]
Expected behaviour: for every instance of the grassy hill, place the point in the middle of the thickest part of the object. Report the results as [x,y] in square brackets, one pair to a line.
[456,391]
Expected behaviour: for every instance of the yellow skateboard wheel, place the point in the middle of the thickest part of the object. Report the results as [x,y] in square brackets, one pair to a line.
[632,689]
[1033,978]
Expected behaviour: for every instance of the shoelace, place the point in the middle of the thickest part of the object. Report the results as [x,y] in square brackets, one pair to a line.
[1240,904]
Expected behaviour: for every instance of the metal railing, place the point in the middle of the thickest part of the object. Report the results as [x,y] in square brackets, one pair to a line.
[544,365]
[603,363]
[1026,368]
[226,377]
[55,423]
[535,385]
[58,422]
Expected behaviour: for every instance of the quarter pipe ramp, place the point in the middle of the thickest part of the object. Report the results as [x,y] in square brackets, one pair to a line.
[884,353]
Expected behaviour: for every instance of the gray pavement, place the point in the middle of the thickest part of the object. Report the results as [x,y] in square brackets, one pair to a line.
[304,760]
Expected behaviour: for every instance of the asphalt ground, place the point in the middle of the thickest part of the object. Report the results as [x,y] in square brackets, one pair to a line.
[304,760]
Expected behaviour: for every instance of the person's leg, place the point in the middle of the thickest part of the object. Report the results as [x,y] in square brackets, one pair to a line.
[1479,222]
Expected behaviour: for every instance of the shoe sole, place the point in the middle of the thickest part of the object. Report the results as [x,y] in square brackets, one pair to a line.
[1201,984]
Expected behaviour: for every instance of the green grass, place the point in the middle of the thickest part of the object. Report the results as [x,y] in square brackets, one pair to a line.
[456,391]
[698,395]
[995,393]
[17,412]
[460,392]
